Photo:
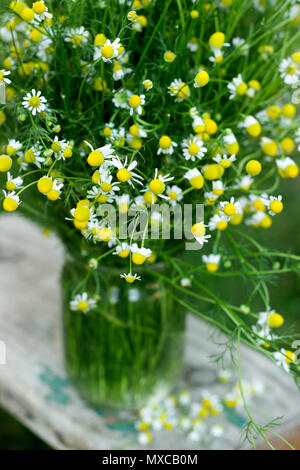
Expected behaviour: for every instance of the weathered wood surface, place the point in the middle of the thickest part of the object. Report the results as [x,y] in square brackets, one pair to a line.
[34,386]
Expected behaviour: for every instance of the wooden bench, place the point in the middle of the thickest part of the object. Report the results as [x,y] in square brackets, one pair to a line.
[35,389]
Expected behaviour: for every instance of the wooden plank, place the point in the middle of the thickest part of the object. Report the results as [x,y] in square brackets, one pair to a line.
[33,383]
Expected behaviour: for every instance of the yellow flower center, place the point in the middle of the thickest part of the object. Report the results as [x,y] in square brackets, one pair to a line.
[83,305]
[76,39]
[29,156]
[212,267]
[106,187]
[123,253]
[172,195]
[134,101]
[253,167]
[202,78]
[82,213]
[39,7]
[193,149]
[157,186]
[197,182]
[275,320]
[222,225]
[137,258]
[34,101]
[95,158]
[10,186]
[9,204]
[242,88]
[149,197]
[229,209]
[259,206]
[1,75]
[276,207]
[216,40]
[56,146]
[53,195]
[165,142]
[104,234]
[44,184]
[123,175]
[198,230]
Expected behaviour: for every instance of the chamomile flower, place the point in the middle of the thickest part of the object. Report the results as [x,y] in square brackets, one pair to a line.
[121,98]
[270,319]
[274,204]
[130,278]
[13,146]
[122,250]
[175,194]
[123,203]
[99,155]
[211,262]
[199,232]
[289,71]
[119,71]
[179,89]
[55,191]
[166,145]
[13,183]
[3,75]
[11,201]
[252,126]
[77,36]
[287,168]
[41,10]
[193,44]
[34,102]
[218,222]
[148,85]
[136,103]
[218,187]
[193,148]
[125,173]
[157,185]
[244,182]
[139,255]
[217,56]
[237,87]
[225,161]
[230,143]
[284,358]
[82,303]
[195,178]
[230,207]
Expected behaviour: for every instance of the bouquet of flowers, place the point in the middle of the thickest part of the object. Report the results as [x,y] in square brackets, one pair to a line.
[141,131]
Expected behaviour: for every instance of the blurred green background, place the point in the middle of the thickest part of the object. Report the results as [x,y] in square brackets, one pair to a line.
[285,297]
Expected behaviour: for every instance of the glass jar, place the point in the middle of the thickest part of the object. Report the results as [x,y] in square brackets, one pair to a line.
[128,350]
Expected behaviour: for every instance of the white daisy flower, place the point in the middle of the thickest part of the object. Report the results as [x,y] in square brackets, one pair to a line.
[130,278]
[13,183]
[179,89]
[193,148]
[244,182]
[136,103]
[218,222]
[166,145]
[225,160]
[41,10]
[82,303]
[34,102]
[175,194]
[289,72]
[77,36]
[122,250]
[125,173]
[237,87]
[282,360]
[108,51]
